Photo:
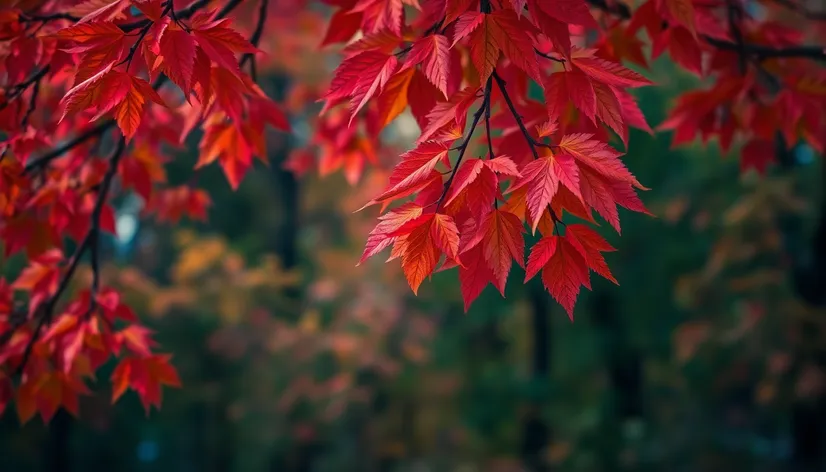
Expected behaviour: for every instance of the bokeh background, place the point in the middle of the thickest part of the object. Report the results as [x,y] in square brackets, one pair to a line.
[707,357]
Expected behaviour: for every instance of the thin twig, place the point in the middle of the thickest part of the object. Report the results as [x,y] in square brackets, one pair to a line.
[548,56]
[256,38]
[463,147]
[532,143]
[761,52]
[32,102]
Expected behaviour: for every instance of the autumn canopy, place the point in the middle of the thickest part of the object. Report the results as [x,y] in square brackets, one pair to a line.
[523,107]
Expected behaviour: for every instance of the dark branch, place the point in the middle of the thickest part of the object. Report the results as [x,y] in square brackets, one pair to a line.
[761,52]
[184,14]
[767,52]
[532,143]
[16,90]
[548,56]
[32,102]
[49,17]
[256,38]
[463,147]
[78,140]
[46,313]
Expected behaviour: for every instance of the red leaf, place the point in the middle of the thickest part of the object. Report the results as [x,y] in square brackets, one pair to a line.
[541,253]
[599,156]
[446,235]
[420,254]
[590,245]
[343,25]
[502,242]
[390,222]
[607,72]
[485,46]
[569,11]
[433,52]
[564,273]
[474,275]
[414,171]
[177,48]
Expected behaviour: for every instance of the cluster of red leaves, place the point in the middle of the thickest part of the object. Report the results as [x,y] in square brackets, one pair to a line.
[84,115]
[538,160]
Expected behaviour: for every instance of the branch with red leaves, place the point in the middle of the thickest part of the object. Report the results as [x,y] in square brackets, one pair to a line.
[455,201]
[65,337]
[467,228]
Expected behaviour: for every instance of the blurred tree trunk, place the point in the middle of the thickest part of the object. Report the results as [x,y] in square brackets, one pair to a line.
[58,453]
[807,416]
[808,271]
[285,246]
[624,368]
[536,433]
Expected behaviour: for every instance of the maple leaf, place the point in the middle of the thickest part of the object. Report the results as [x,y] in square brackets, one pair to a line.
[451,114]
[606,72]
[137,339]
[416,169]
[178,50]
[381,236]
[485,46]
[514,39]
[360,77]
[221,43]
[228,143]
[129,112]
[476,181]
[144,375]
[501,244]
[98,43]
[542,177]
[46,393]
[609,110]
[102,10]
[420,252]
[573,86]
[394,100]
[433,52]
[563,269]
[474,276]
[574,12]
[343,26]
[591,245]
[599,156]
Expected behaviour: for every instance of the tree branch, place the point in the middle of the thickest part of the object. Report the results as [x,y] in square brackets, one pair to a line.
[548,56]
[106,125]
[760,51]
[256,38]
[89,241]
[531,141]
[463,147]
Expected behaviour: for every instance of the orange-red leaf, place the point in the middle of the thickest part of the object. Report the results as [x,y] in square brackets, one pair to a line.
[433,53]
[563,274]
